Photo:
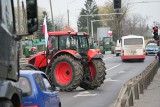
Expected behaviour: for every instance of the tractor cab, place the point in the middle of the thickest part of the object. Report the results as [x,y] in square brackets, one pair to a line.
[68,41]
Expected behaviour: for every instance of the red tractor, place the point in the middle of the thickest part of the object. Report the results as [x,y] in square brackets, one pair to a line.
[69,62]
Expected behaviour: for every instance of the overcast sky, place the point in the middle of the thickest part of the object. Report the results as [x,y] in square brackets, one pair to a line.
[151,9]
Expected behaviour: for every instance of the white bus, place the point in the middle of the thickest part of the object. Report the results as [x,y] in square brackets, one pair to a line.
[132,48]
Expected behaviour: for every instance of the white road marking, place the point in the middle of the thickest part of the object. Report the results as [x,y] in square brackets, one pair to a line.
[108,58]
[113,67]
[121,72]
[84,94]
[109,79]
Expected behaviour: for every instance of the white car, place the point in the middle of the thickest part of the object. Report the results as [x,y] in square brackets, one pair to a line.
[118,48]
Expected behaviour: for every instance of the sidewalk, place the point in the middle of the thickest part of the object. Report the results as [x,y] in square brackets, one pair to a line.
[151,96]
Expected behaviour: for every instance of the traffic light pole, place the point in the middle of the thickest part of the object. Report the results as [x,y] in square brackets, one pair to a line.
[118,22]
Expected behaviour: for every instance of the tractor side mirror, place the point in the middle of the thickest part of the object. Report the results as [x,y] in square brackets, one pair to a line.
[32,17]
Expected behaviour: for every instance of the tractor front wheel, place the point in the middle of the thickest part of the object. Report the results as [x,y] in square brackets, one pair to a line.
[66,72]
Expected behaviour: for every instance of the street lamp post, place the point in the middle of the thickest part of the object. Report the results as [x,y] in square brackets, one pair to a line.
[96,21]
[92,27]
[68,3]
[52,14]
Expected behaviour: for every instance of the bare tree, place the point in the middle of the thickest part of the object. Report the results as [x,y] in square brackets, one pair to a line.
[115,24]
[60,22]
[134,24]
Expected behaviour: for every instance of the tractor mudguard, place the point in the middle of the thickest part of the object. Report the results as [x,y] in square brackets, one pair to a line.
[38,60]
[72,52]
[94,53]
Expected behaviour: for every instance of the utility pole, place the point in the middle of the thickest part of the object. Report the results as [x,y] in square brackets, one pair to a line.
[52,15]
[68,15]
[88,24]
[68,3]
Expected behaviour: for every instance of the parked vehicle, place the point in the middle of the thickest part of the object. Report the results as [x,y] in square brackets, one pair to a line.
[133,48]
[28,48]
[118,48]
[37,90]
[10,96]
[152,48]
[71,61]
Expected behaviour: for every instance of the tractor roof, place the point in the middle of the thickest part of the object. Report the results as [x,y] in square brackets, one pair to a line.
[63,33]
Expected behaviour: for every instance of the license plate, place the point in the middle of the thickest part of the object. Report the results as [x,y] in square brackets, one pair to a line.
[133,52]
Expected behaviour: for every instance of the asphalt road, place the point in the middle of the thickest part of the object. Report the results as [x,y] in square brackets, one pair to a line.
[118,73]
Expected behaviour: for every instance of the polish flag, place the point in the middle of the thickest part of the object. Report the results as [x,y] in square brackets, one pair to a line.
[45,32]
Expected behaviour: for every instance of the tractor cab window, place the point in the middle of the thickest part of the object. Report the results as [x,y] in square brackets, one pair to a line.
[73,42]
[62,42]
[53,43]
[106,40]
[68,42]
[83,44]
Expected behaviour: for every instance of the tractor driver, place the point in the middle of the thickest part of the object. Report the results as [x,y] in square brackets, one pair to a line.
[50,44]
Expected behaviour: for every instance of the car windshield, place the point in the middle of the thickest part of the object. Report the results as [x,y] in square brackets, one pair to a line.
[152,45]
[107,40]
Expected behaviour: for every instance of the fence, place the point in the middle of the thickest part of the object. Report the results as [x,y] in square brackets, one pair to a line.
[136,86]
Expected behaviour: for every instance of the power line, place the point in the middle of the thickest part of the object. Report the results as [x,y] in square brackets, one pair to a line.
[70,2]
[146,2]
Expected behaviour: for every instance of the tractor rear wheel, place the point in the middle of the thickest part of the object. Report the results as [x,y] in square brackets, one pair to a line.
[66,73]
[94,75]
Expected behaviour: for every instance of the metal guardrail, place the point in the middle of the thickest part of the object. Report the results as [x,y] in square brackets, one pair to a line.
[131,90]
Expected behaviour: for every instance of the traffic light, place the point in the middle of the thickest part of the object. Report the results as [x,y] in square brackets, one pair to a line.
[117,4]
[155,33]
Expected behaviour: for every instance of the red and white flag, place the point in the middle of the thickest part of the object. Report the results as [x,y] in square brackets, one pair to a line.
[45,32]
